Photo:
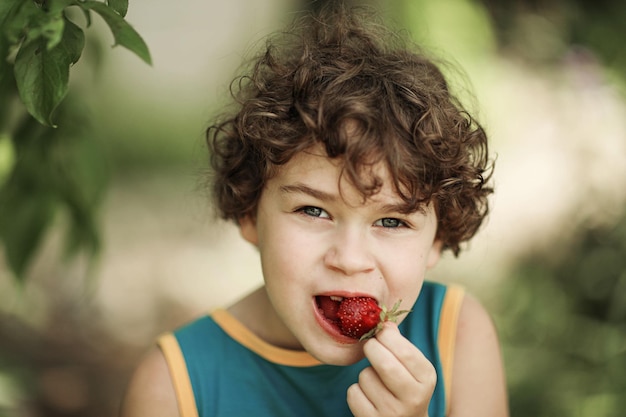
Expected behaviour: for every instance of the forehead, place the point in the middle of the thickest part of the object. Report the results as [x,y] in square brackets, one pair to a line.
[315,169]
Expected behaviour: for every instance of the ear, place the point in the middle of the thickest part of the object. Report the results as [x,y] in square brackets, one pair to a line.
[247,229]
[434,254]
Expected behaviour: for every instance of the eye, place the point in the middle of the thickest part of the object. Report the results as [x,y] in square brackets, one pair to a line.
[314,211]
[390,222]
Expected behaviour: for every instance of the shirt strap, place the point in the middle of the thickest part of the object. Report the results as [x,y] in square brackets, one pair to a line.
[180,375]
[447,334]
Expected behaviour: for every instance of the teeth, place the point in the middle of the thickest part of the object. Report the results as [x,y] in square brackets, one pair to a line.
[336,298]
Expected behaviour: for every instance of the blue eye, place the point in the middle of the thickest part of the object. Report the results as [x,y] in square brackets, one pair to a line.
[314,211]
[390,222]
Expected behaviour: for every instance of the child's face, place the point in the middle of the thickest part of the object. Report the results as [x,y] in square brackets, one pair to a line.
[315,241]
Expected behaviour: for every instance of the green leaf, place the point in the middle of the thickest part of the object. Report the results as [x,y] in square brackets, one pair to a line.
[80,176]
[73,42]
[61,171]
[6,9]
[7,157]
[24,21]
[42,75]
[120,6]
[6,75]
[15,16]
[56,6]
[51,29]
[26,199]
[123,33]
[25,215]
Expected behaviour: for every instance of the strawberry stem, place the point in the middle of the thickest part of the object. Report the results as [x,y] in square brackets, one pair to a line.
[391,315]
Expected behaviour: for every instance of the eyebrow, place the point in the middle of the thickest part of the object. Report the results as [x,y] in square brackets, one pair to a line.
[399,207]
[305,189]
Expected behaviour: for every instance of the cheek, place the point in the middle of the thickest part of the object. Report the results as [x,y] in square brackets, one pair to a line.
[285,254]
[287,273]
[405,271]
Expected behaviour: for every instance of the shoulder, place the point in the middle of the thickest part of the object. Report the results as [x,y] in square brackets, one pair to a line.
[478,382]
[150,391]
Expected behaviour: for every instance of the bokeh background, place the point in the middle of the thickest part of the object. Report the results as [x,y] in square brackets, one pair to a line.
[547,77]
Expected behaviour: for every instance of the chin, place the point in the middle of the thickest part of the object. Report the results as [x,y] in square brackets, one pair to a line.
[340,356]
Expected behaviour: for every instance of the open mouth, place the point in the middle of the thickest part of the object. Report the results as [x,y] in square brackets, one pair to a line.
[353,317]
[329,307]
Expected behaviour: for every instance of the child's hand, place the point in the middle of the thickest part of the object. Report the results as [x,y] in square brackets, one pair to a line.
[400,381]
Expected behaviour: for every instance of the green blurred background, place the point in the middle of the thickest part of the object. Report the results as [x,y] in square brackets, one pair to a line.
[550,264]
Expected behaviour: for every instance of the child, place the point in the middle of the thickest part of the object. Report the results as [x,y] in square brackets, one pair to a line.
[351,167]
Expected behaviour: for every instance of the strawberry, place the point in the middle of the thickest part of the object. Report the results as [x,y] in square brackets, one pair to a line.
[361,317]
[358,315]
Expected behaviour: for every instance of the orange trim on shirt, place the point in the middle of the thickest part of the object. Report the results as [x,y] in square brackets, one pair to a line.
[235,329]
[180,376]
[447,335]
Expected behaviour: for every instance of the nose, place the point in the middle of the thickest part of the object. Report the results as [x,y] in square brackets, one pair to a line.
[349,253]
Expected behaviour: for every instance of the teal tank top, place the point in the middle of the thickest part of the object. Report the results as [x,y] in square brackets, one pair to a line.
[220,368]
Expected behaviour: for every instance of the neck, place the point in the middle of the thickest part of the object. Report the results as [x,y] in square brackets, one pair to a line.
[255,312]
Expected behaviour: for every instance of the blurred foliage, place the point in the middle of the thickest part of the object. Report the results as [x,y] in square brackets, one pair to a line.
[542,31]
[563,324]
[54,169]
[45,169]
[69,366]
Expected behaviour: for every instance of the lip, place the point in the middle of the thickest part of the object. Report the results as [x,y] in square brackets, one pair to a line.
[345,294]
[330,328]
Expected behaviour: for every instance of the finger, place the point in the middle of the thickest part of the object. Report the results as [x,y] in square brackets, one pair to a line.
[376,398]
[389,370]
[401,366]
[359,404]
[418,365]
[373,387]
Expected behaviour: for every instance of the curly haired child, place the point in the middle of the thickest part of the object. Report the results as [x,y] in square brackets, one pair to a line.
[351,166]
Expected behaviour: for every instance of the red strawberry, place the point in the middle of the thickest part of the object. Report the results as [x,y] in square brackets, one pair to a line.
[361,317]
[358,315]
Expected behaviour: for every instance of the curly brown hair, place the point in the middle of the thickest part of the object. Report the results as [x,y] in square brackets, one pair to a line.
[341,68]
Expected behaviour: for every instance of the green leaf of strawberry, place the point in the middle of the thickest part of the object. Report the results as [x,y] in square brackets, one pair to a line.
[361,317]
